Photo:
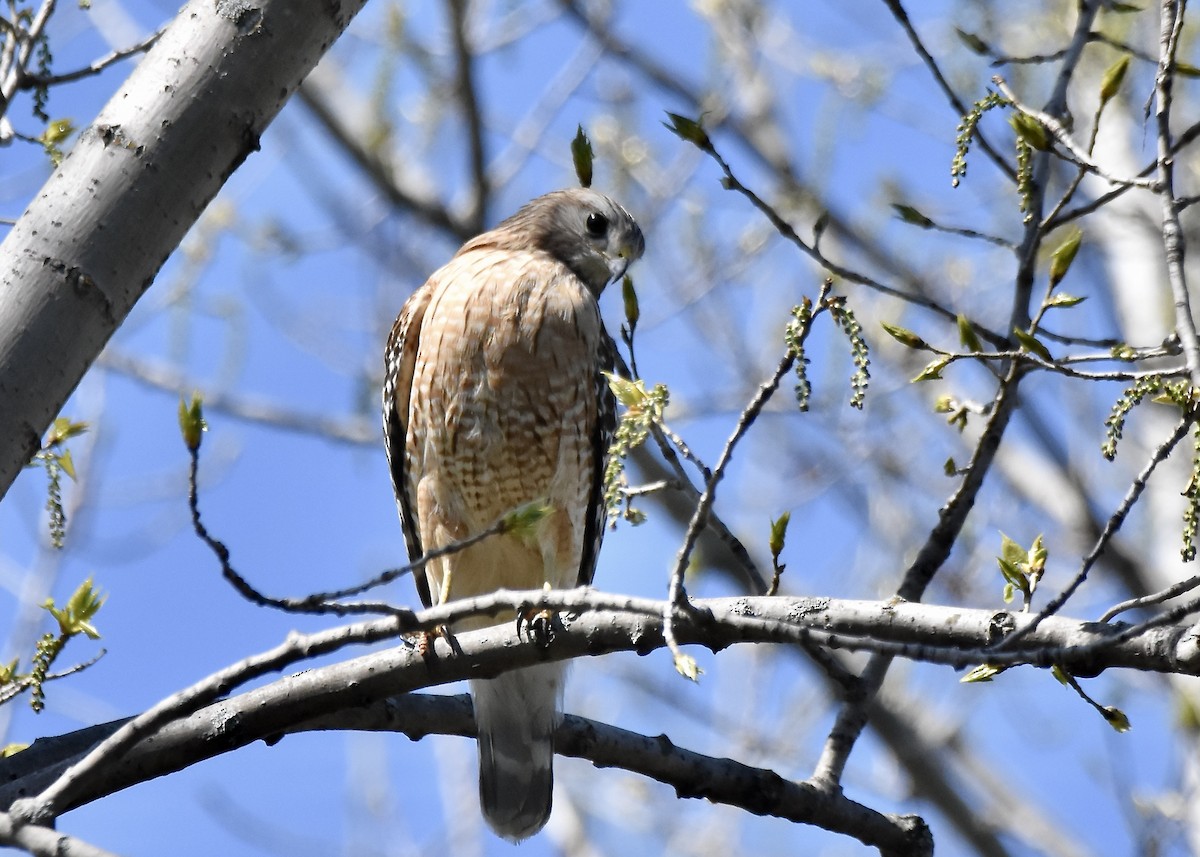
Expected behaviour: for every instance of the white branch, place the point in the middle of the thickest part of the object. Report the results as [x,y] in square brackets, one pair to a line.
[93,239]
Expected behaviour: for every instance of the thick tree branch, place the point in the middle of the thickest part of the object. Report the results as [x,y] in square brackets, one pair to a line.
[93,239]
[237,722]
[46,783]
[45,842]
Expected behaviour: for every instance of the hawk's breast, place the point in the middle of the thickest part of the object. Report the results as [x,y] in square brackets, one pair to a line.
[507,365]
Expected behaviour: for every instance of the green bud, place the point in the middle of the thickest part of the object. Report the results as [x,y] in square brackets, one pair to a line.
[967,335]
[1030,130]
[191,421]
[690,130]
[779,534]
[629,297]
[905,336]
[910,215]
[582,156]
[1030,343]
[1063,256]
[1110,84]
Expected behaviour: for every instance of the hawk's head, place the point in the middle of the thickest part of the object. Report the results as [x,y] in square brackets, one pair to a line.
[591,234]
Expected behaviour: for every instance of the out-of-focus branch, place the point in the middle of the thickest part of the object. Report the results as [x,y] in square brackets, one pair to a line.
[320,92]
[472,112]
[852,718]
[960,108]
[772,150]
[163,376]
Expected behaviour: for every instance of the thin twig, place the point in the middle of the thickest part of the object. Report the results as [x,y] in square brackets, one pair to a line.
[32,81]
[731,182]
[901,16]
[677,595]
[1076,154]
[1167,594]
[472,114]
[18,687]
[323,602]
[1111,526]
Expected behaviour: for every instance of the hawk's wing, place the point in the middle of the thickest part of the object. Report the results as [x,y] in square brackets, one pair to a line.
[602,437]
[400,360]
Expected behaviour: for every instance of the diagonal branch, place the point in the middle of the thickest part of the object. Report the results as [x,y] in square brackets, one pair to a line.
[82,255]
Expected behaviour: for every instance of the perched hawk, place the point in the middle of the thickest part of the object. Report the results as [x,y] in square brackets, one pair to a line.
[493,398]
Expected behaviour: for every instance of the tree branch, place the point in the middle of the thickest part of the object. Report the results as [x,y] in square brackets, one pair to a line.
[592,623]
[93,239]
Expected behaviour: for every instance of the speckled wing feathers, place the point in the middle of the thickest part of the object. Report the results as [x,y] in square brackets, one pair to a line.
[400,357]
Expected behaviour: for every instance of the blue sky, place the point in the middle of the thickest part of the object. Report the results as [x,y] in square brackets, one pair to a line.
[301,513]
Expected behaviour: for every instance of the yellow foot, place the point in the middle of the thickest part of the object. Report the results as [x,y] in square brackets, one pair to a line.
[425,640]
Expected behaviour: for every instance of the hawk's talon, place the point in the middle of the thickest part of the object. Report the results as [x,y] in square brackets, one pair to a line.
[538,624]
[425,640]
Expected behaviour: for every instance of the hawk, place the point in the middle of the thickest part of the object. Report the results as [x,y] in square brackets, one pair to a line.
[494,397]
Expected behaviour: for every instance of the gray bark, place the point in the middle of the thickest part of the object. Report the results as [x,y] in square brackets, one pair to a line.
[95,236]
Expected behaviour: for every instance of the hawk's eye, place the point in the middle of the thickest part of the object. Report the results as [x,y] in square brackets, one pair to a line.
[597,224]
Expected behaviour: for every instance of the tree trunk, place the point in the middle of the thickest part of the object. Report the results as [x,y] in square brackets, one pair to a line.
[93,239]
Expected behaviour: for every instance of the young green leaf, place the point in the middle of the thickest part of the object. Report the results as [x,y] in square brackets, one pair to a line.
[1011,551]
[687,667]
[75,617]
[630,299]
[905,336]
[1115,718]
[1030,343]
[690,130]
[57,131]
[582,156]
[779,534]
[1063,256]
[983,672]
[972,41]
[63,429]
[933,371]
[67,463]
[628,393]
[910,215]
[1030,130]
[522,522]
[967,334]
[1114,75]
[191,421]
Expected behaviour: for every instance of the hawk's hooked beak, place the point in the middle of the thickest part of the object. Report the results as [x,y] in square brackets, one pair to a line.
[627,253]
[617,267]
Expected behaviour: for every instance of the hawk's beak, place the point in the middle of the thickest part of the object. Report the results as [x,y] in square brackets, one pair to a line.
[617,267]
[627,253]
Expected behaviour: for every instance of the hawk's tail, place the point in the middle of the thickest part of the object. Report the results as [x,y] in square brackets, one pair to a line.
[516,714]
